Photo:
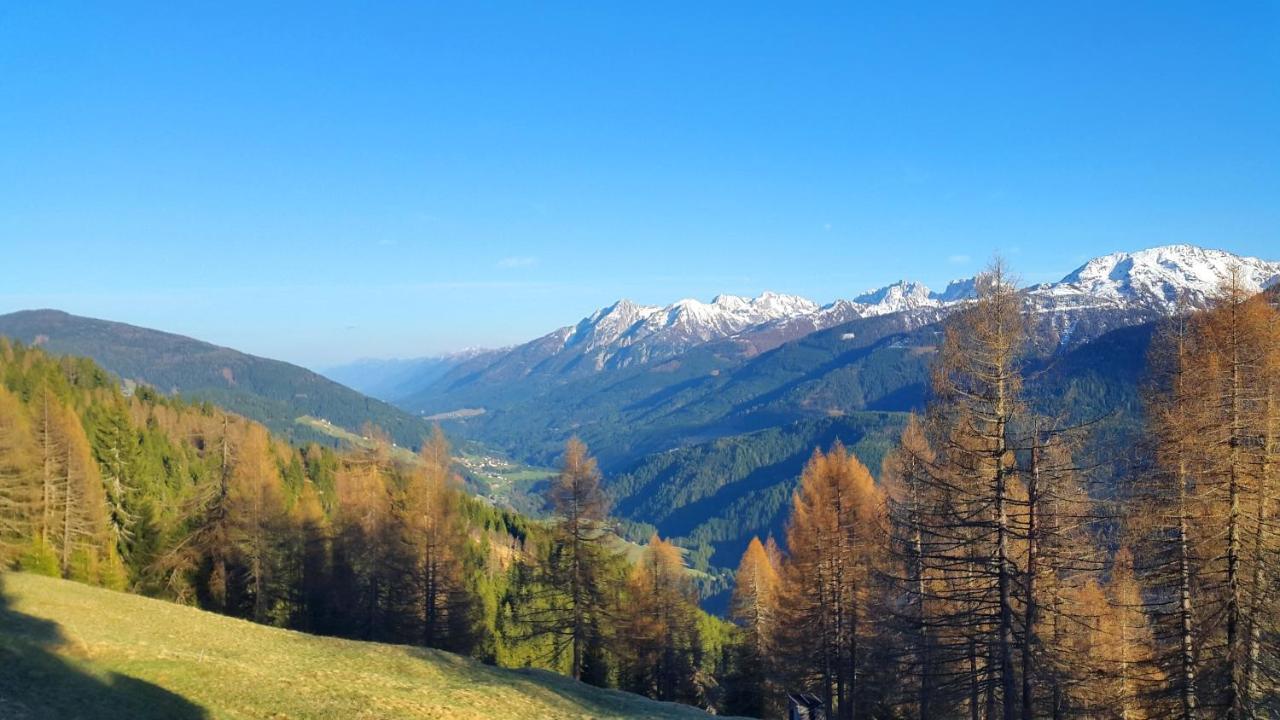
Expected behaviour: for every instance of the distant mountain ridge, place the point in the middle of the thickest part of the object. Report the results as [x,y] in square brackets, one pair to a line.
[272,392]
[1138,286]
[393,379]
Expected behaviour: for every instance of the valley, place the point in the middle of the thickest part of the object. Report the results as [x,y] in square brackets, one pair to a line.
[675,389]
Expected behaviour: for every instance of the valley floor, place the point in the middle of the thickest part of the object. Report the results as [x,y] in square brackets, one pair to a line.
[72,651]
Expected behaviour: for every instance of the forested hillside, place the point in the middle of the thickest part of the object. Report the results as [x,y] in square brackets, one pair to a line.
[1008,565]
[272,392]
[706,447]
[713,495]
[190,503]
[703,440]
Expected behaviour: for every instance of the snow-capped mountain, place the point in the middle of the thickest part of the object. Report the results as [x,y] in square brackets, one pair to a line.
[681,324]
[1105,293]
[1123,289]
[625,333]
[1156,279]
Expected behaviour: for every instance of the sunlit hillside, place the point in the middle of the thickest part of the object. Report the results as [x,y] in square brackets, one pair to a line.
[72,651]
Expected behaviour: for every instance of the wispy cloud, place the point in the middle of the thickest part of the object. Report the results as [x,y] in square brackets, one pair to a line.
[517,262]
[959,259]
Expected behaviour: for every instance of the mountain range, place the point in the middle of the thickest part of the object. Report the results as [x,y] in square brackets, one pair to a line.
[1145,284]
[701,413]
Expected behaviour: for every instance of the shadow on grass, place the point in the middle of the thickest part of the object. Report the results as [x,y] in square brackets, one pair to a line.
[35,683]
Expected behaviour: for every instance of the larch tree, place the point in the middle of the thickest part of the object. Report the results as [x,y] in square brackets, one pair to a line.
[1111,646]
[363,530]
[1054,524]
[51,448]
[836,542]
[570,593]
[257,515]
[1130,644]
[1234,348]
[754,607]
[1164,511]
[1211,413]
[978,386]
[432,531]
[311,552]
[907,475]
[19,492]
[659,640]
[80,501]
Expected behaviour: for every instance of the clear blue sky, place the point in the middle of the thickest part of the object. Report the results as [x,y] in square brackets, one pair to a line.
[320,182]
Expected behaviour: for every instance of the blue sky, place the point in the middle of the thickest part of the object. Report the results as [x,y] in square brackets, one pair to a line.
[321,182]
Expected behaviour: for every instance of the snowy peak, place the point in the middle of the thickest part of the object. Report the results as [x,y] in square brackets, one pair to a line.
[958,290]
[1159,277]
[897,292]
[1148,283]
[774,306]
[649,331]
[900,296]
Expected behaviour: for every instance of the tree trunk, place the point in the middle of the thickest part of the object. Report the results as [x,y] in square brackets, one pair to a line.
[975,706]
[922,629]
[1187,656]
[1007,681]
[1233,697]
[1029,621]
[67,505]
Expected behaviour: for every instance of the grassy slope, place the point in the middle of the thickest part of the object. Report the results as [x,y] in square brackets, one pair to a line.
[73,651]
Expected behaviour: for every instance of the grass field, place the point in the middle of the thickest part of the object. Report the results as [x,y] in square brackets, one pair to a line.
[72,651]
[352,439]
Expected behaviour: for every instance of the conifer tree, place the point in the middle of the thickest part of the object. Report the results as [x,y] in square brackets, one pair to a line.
[907,475]
[80,504]
[755,609]
[836,543]
[1164,512]
[363,533]
[569,596]
[433,534]
[19,493]
[115,449]
[659,641]
[312,549]
[51,453]
[257,514]
[971,539]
